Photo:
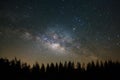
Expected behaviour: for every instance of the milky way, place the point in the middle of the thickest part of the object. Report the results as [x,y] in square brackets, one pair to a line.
[60,30]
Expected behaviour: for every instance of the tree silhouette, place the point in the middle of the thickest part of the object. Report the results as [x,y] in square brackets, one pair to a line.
[16,70]
[42,69]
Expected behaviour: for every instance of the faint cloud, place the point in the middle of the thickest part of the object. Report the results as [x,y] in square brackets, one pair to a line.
[27,36]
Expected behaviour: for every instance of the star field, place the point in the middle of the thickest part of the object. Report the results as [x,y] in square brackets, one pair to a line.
[60,30]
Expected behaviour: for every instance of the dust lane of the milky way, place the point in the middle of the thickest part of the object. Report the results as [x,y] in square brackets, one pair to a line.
[60,30]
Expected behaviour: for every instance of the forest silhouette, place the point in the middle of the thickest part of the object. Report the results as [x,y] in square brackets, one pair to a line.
[16,70]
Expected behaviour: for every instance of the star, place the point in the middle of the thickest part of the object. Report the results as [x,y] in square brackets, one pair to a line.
[74,29]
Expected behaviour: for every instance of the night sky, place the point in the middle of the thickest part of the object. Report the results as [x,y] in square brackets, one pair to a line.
[60,30]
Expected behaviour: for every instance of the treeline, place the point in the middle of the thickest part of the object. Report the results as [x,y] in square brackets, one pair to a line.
[16,70]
